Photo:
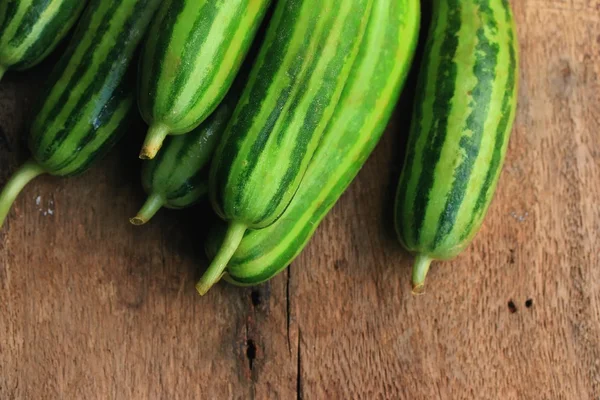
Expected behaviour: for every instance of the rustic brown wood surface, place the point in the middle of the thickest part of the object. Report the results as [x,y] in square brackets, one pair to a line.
[94,308]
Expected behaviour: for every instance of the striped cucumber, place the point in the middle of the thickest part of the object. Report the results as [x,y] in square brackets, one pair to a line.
[176,178]
[30,30]
[291,95]
[462,121]
[377,77]
[88,102]
[190,59]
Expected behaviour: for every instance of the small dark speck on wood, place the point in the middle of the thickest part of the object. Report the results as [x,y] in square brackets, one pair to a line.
[528,303]
[512,307]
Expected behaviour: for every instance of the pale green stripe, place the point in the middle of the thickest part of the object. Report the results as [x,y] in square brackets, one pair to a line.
[46,17]
[58,89]
[13,26]
[274,155]
[422,127]
[220,29]
[148,57]
[324,173]
[176,46]
[100,54]
[458,114]
[231,57]
[102,135]
[495,115]
[280,79]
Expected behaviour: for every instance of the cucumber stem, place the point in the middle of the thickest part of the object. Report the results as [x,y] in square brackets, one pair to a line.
[216,269]
[153,203]
[15,185]
[420,269]
[155,137]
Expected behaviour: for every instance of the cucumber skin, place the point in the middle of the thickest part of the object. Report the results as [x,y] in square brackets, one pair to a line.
[377,77]
[177,173]
[30,30]
[89,102]
[462,120]
[291,94]
[193,52]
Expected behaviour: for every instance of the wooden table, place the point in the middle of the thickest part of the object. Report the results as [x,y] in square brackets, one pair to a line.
[94,308]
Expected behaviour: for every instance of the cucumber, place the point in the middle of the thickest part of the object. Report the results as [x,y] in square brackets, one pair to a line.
[176,178]
[30,30]
[88,103]
[377,77]
[190,59]
[461,124]
[292,92]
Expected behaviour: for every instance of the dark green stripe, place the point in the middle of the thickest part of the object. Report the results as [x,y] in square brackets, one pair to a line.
[488,12]
[162,45]
[107,113]
[501,132]
[223,48]
[183,190]
[303,84]
[186,146]
[103,149]
[193,192]
[507,12]
[278,43]
[486,60]
[314,114]
[75,79]
[260,143]
[193,43]
[195,181]
[11,11]
[182,148]
[302,140]
[48,35]
[30,18]
[279,263]
[417,121]
[102,88]
[445,87]
[35,137]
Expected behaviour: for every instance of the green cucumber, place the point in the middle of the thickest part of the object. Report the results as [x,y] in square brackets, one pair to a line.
[175,178]
[30,30]
[86,107]
[462,120]
[377,77]
[291,94]
[193,52]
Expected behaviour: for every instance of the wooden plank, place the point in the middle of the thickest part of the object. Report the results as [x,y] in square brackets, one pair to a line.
[91,307]
[515,317]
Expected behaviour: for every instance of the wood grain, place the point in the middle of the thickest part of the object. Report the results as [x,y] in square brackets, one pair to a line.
[91,307]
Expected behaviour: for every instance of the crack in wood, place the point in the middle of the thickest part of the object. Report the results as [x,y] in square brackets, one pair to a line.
[249,352]
[256,297]
[250,349]
[288,307]
[299,394]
